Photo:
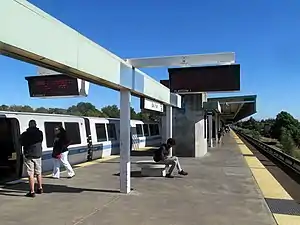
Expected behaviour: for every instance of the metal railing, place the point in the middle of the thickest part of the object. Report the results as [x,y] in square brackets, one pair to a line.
[283,158]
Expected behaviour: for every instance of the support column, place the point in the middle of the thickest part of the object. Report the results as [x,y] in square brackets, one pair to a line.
[169,124]
[125,141]
[216,127]
[210,140]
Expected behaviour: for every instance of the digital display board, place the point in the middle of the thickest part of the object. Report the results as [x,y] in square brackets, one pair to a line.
[52,86]
[205,79]
[165,83]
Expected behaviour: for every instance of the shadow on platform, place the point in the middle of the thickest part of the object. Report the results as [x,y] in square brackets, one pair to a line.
[132,174]
[17,190]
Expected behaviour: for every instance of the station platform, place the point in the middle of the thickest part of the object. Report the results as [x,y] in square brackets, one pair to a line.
[227,186]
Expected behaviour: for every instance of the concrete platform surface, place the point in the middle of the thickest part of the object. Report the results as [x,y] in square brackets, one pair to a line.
[218,190]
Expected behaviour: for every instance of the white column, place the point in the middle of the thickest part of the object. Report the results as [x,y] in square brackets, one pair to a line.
[216,127]
[125,141]
[169,124]
[210,140]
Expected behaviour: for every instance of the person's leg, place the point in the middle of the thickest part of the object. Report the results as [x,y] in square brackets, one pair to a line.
[177,163]
[38,173]
[56,168]
[173,161]
[65,161]
[30,171]
[178,166]
[170,161]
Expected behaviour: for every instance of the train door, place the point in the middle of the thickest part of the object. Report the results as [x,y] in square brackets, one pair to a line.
[10,150]
[89,139]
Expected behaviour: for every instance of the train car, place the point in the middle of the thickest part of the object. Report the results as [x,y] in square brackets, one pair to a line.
[12,124]
[91,138]
[105,136]
[145,134]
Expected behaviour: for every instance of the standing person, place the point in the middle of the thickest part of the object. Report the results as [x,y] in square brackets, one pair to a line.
[31,140]
[162,155]
[219,135]
[60,153]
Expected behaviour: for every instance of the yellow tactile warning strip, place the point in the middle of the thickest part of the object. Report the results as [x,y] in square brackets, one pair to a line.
[144,148]
[269,186]
[84,164]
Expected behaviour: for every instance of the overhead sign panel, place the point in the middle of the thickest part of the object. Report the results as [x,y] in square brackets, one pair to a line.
[220,78]
[53,86]
[151,105]
[165,83]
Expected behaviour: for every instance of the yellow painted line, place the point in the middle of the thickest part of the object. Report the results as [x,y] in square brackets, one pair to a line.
[144,148]
[286,219]
[245,150]
[269,186]
[85,164]
[253,162]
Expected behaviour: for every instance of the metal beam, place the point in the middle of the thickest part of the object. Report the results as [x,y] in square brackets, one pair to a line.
[38,38]
[238,109]
[183,60]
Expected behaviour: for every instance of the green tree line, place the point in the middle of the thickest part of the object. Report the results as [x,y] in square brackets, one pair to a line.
[284,130]
[83,109]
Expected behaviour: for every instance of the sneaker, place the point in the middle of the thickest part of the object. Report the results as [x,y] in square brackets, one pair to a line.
[39,191]
[30,194]
[169,176]
[183,173]
[69,177]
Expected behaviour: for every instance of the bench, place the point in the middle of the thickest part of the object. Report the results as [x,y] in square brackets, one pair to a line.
[152,169]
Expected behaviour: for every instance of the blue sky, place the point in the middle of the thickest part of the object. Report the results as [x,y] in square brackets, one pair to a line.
[264,35]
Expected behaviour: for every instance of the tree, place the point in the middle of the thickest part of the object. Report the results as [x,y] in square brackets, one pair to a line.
[287,121]
[85,109]
[57,111]
[82,109]
[111,111]
[287,141]
[41,110]
[4,108]
[133,114]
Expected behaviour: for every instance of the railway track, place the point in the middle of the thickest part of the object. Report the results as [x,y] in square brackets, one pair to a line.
[283,167]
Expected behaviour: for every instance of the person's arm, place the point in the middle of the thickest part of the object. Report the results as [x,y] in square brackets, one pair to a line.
[66,142]
[164,152]
[21,139]
[41,136]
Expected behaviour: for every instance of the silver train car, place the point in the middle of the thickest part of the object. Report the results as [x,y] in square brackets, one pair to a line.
[91,138]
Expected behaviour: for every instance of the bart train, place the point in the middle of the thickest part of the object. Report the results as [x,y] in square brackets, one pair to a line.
[91,137]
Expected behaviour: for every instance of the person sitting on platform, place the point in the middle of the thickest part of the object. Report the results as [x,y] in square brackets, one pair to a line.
[162,155]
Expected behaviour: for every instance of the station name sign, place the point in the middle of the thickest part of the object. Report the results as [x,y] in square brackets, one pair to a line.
[151,105]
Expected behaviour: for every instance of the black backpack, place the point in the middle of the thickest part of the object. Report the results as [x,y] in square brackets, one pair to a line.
[158,153]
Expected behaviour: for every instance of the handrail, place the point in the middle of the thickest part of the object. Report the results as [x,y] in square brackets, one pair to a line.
[284,158]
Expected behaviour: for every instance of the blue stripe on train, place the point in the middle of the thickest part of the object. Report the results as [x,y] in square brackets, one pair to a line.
[98,147]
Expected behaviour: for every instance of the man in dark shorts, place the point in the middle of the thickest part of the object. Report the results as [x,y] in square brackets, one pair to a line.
[162,155]
[31,140]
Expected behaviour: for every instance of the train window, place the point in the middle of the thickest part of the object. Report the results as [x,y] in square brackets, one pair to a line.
[49,132]
[139,130]
[100,131]
[111,131]
[154,130]
[73,133]
[146,129]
